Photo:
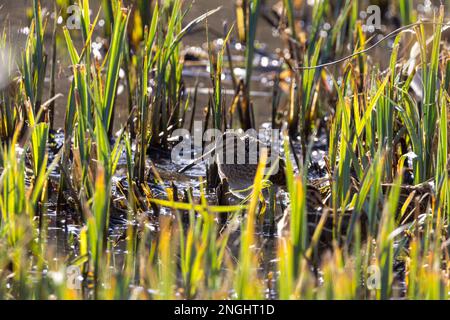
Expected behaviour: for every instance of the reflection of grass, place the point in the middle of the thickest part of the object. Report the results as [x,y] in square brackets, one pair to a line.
[386,183]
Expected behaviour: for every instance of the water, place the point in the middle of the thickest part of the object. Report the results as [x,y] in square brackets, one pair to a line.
[18,22]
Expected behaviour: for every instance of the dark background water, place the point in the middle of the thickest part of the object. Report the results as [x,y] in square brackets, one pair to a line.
[16,16]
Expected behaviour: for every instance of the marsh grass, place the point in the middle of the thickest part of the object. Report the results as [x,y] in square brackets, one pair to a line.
[385,193]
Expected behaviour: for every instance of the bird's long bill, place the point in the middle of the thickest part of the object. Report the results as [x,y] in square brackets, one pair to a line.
[196,161]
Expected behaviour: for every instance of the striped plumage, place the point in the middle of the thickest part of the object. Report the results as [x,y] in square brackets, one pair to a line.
[237,161]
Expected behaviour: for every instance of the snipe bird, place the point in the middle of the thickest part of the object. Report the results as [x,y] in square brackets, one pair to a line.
[237,158]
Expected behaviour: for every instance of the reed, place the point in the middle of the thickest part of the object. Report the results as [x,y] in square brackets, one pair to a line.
[385,188]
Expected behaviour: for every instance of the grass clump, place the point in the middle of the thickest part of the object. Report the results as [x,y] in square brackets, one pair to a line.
[383,187]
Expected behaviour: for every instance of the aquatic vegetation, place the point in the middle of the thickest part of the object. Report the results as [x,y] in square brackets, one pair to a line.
[100,210]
